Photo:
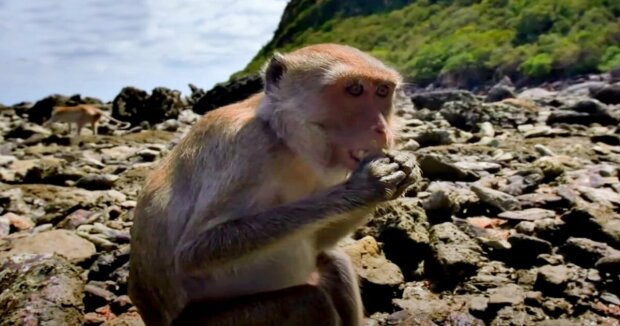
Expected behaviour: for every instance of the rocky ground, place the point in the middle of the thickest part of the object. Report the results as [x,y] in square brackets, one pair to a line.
[517,220]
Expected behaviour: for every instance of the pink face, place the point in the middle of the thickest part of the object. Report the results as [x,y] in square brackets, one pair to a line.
[355,118]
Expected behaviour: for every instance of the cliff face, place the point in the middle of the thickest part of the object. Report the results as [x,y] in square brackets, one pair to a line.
[461,42]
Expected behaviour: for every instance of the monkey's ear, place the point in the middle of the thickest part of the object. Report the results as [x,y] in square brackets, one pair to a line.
[274,71]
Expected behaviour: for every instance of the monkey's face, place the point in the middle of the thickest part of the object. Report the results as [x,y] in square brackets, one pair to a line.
[355,116]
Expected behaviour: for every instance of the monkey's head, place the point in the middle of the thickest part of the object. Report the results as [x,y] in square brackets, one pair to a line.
[331,104]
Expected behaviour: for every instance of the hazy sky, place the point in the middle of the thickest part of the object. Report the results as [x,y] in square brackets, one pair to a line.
[96,47]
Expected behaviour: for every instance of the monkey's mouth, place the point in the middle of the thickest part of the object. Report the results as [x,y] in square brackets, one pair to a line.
[357,155]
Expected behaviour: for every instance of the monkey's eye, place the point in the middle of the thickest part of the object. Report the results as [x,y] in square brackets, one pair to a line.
[355,89]
[383,90]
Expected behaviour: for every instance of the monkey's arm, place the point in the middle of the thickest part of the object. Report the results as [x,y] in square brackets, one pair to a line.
[227,242]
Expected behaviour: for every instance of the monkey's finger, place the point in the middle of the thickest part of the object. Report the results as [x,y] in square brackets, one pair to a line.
[386,169]
[406,161]
[394,178]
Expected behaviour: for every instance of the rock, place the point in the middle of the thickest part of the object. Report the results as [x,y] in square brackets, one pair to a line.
[552,280]
[609,94]
[467,115]
[606,197]
[497,199]
[5,226]
[20,223]
[499,92]
[77,218]
[525,248]
[40,290]
[584,112]
[401,227]
[585,252]
[95,296]
[435,168]
[529,214]
[609,139]
[434,100]
[454,254]
[478,166]
[97,181]
[137,106]
[63,242]
[229,92]
[510,294]
[556,307]
[127,319]
[379,277]
[609,265]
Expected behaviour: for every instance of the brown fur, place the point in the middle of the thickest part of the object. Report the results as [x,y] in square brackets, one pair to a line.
[236,223]
[81,115]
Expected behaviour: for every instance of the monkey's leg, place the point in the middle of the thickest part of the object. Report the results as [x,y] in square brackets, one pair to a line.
[296,306]
[340,280]
[94,126]
[79,128]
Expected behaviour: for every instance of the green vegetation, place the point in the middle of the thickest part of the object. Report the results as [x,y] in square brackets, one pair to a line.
[427,39]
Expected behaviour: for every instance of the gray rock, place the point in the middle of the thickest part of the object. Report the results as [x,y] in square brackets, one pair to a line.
[495,198]
[529,214]
[62,242]
[455,255]
[510,294]
[436,168]
[40,290]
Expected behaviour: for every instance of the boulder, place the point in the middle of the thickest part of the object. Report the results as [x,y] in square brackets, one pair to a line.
[228,93]
[41,289]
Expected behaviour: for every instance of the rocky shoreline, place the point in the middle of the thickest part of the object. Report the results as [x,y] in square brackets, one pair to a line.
[517,220]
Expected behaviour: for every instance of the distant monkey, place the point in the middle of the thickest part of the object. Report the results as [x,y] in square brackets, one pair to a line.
[238,224]
[81,115]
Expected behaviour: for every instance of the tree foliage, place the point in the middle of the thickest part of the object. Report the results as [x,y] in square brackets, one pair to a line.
[427,39]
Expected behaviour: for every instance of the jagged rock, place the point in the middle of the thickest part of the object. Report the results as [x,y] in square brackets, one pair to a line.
[136,106]
[63,242]
[552,280]
[401,227]
[228,93]
[434,100]
[380,278]
[40,290]
[454,254]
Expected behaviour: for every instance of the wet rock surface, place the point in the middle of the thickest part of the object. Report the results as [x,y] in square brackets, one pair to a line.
[516,220]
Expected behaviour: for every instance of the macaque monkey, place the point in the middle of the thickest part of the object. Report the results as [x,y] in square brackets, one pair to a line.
[81,115]
[238,225]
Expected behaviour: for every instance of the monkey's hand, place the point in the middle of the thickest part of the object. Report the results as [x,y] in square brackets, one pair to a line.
[384,177]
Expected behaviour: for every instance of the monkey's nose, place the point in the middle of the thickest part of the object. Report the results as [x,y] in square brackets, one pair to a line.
[380,137]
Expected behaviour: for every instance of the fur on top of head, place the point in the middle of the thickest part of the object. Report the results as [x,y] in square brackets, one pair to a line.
[325,63]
